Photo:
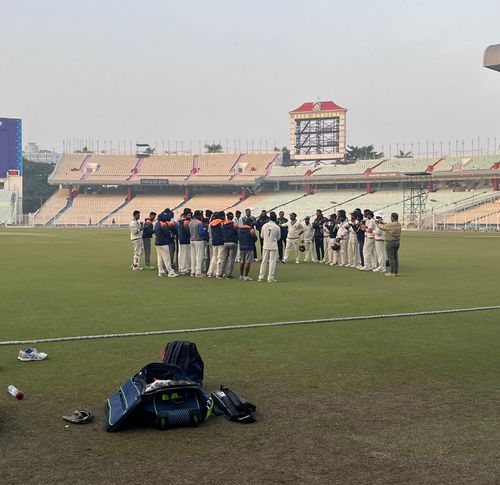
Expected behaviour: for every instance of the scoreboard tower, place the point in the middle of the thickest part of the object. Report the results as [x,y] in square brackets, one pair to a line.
[317,132]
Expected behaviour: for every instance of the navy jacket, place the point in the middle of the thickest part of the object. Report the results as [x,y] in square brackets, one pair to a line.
[164,233]
[229,232]
[247,238]
[183,230]
[216,230]
[147,232]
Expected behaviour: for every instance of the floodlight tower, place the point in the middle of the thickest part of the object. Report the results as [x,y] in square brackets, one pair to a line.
[415,194]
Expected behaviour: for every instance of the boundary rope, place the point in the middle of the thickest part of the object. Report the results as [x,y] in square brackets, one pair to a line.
[250,325]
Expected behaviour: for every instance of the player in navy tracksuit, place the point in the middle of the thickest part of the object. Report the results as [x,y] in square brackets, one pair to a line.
[184,242]
[246,238]
[230,238]
[217,243]
[165,231]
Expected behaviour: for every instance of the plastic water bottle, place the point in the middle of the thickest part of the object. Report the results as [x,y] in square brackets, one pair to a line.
[14,391]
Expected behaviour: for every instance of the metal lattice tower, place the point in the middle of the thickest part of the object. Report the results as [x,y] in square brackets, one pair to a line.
[415,194]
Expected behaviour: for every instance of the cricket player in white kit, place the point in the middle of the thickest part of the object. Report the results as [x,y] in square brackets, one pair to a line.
[136,238]
[308,240]
[270,234]
[369,247]
[379,244]
[295,230]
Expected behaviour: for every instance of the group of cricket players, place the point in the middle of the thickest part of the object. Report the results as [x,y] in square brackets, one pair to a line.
[209,244]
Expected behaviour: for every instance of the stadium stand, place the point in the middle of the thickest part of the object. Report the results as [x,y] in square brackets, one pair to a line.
[6,206]
[54,204]
[404,165]
[295,171]
[144,203]
[256,164]
[216,165]
[215,202]
[450,163]
[456,184]
[110,167]
[483,214]
[89,209]
[165,166]
[484,162]
[69,168]
[358,168]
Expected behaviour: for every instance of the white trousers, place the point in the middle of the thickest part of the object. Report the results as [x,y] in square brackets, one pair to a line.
[332,257]
[344,242]
[369,253]
[138,247]
[163,260]
[353,258]
[381,255]
[215,255]
[197,249]
[326,241]
[292,244]
[309,252]
[184,258]
[268,264]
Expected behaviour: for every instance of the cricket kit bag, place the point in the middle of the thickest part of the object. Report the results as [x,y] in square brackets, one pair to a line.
[160,395]
[185,355]
[233,406]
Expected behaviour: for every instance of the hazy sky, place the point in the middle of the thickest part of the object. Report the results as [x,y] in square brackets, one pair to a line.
[155,70]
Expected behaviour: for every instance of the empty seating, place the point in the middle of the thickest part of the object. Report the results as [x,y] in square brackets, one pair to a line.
[450,163]
[168,166]
[112,167]
[216,164]
[483,162]
[89,209]
[255,164]
[68,167]
[358,168]
[6,206]
[145,203]
[294,171]
[52,206]
[405,165]
[215,202]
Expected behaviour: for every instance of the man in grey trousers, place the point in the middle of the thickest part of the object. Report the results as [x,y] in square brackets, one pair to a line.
[228,255]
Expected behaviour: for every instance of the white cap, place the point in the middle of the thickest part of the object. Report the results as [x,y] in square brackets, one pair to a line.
[379,214]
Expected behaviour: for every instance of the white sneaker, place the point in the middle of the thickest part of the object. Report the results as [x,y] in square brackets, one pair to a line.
[247,278]
[260,280]
[272,280]
[173,275]
[242,278]
[297,262]
[31,354]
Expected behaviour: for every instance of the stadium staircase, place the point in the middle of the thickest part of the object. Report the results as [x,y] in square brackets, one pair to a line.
[51,221]
[125,202]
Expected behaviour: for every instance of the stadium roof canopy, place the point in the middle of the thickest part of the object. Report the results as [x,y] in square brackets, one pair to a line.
[318,106]
[492,57]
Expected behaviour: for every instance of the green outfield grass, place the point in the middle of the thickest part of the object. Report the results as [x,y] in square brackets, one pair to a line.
[407,400]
